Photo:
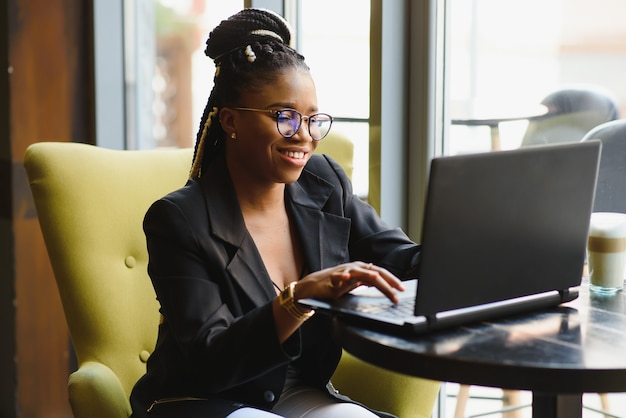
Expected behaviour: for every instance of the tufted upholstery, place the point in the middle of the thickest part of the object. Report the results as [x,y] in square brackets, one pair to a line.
[91,202]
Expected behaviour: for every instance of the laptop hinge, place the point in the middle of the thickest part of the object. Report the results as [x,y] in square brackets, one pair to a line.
[569,294]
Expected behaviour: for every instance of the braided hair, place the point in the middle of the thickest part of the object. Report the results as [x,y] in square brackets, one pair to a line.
[250,49]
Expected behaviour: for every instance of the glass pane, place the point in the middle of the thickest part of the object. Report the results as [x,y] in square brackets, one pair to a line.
[183,75]
[506,58]
[338,55]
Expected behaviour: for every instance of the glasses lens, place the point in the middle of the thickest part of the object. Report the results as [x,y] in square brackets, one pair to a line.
[288,122]
[319,125]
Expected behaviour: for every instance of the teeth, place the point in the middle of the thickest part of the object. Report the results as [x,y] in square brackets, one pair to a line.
[297,155]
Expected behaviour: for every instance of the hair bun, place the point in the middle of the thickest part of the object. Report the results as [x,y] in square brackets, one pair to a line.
[244,27]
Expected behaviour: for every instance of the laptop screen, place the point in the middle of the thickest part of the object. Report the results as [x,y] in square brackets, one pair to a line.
[505,224]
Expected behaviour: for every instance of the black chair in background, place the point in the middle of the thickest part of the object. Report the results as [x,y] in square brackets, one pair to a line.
[611,183]
[571,114]
[611,186]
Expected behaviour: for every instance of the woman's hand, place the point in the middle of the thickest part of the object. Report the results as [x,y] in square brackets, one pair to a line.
[334,282]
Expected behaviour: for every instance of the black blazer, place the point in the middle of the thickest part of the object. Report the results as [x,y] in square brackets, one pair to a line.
[217,339]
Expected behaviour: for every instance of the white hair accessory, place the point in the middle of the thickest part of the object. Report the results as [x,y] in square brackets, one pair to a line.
[250,54]
[265,32]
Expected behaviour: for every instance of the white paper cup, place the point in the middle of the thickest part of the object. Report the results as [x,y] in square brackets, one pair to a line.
[606,251]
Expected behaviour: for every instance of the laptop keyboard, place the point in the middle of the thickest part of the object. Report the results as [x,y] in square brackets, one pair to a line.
[403,309]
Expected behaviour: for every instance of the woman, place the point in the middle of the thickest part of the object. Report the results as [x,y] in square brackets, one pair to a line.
[261,223]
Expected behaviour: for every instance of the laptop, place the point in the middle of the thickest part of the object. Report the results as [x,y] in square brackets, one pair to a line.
[503,233]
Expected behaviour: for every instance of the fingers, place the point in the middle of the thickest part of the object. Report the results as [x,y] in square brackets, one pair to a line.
[380,275]
[355,274]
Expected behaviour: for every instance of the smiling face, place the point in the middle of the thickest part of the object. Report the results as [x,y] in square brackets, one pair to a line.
[260,154]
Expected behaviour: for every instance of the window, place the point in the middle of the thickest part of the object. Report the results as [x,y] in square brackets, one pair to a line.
[505,57]
[338,55]
[183,74]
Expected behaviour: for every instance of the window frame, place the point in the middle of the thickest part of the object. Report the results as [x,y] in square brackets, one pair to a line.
[411,112]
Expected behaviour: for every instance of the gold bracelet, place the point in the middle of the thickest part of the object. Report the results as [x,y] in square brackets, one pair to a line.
[288,302]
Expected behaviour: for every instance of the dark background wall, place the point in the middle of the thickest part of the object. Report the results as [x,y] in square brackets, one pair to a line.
[46,94]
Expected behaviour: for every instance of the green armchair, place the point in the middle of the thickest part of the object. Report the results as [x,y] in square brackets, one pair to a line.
[91,202]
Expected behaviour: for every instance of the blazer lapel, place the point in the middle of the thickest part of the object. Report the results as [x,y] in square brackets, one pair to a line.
[244,264]
[323,235]
[246,267]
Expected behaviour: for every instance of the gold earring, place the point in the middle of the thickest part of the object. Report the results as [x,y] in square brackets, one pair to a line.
[233,136]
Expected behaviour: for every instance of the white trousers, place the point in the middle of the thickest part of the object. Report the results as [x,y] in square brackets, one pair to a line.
[305,402]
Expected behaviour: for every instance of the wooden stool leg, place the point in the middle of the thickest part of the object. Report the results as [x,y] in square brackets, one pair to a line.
[461,401]
[512,397]
[604,401]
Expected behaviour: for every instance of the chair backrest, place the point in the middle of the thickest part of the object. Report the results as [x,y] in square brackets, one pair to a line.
[91,202]
[571,114]
[611,185]
[340,148]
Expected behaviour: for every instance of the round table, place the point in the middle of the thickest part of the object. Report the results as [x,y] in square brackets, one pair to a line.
[492,117]
[558,354]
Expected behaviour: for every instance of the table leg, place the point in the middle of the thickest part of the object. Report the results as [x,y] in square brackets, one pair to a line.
[495,137]
[557,406]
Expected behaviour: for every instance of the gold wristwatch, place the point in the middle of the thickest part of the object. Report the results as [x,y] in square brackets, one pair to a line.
[288,302]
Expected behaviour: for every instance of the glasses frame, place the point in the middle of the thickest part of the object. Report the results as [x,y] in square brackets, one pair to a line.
[276,113]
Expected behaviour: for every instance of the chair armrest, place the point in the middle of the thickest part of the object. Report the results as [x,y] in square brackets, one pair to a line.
[383,390]
[96,392]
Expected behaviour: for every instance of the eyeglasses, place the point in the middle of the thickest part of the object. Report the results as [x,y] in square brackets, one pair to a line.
[288,122]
